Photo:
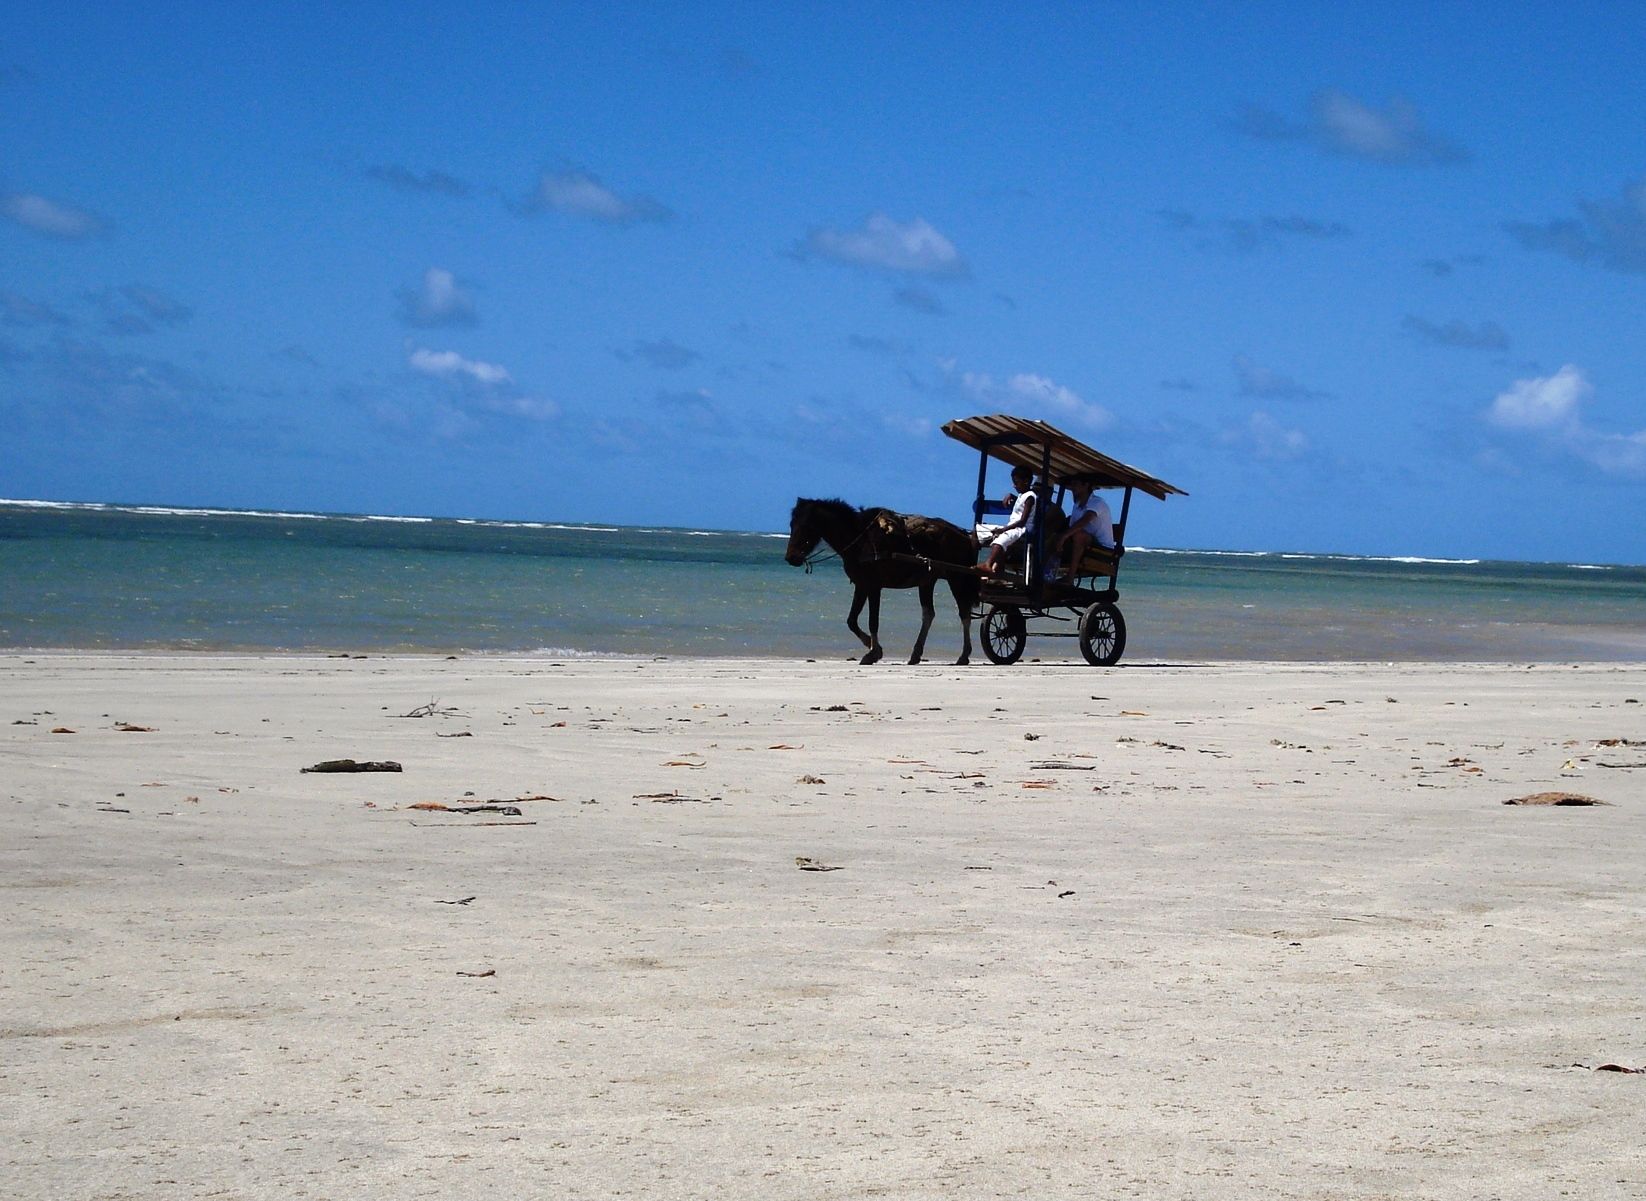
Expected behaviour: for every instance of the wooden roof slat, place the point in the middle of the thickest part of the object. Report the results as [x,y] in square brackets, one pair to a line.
[1021,442]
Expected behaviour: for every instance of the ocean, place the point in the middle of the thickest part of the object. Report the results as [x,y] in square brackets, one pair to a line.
[134,578]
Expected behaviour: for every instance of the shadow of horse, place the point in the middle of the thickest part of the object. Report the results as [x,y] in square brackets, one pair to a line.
[882,549]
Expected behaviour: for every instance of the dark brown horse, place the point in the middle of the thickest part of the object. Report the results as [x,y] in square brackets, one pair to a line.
[882,549]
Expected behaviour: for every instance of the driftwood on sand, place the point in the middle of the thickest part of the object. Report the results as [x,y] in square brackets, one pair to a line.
[1554,798]
[339,765]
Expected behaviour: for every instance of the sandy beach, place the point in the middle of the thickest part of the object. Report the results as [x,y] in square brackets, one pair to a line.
[1186,931]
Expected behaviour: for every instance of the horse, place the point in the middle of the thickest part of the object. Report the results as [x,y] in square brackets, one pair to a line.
[882,549]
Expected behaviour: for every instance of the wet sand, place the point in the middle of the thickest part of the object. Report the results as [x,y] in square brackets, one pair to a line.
[1191,931]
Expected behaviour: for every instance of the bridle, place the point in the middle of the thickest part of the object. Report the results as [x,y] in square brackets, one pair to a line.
[819,555]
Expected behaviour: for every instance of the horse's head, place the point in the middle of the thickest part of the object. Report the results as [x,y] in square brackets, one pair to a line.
[805,532]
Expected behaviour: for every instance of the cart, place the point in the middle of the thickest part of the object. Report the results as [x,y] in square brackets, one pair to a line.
[1088,602]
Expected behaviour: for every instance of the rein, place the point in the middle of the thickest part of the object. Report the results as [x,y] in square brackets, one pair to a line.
[817,557]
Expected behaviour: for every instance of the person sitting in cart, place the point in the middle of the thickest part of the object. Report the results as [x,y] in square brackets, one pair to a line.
[1010,534]
[1089,523]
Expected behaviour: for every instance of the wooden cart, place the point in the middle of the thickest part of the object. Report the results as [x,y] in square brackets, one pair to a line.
[1029,591]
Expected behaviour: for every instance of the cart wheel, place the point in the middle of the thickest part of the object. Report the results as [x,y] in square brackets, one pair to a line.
[1004,634]
[1102,635]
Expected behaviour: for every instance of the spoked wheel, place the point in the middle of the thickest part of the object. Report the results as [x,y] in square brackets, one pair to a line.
[1102,634]
[1004,633]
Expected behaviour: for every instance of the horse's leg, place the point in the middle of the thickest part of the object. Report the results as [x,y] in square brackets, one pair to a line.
[860,595]
[926,615]
[964,604]
[875,649]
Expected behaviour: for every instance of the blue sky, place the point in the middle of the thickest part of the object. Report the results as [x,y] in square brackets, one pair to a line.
[1366,279]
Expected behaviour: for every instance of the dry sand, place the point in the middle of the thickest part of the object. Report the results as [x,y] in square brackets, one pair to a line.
[1271,931]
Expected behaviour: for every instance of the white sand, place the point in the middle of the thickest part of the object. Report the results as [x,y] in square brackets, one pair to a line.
[1303,954]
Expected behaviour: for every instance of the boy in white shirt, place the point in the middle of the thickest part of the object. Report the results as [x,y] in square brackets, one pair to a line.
[1089,522]
[1008,535]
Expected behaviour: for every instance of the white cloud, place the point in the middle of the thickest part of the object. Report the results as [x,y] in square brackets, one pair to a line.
[920,301]
[1541,402]
[1611,233]
[1266,438]
[906,424]
[1258,380]
[1547,408]
[404,179]
[880,243]
[441,301]
[48,217]
[1340,123]
[1030,395]
[1361,129]
[19,310]
[1617,454]
[582,195]
[1489,335]
[531,408]
[448,364]
[665,354]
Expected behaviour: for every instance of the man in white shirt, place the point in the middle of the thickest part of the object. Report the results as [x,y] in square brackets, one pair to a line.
[1089,524]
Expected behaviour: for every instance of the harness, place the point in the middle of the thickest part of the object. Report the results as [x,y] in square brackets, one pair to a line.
[823,556]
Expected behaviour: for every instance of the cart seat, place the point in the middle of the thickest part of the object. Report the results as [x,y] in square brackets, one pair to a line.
[1099,561]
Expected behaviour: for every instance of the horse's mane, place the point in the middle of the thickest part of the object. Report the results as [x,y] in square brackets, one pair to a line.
[834,505]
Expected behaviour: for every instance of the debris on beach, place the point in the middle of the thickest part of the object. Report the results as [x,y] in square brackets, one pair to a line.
[1618,1067]
[432,709]
[1055,765]
[346,765]
[461,901]
[808,779]
[126,727]
[669,798]
[61,730]
[1555,798]
[491,971]
[459,734]
[488,807]
[807,864]
[471,825]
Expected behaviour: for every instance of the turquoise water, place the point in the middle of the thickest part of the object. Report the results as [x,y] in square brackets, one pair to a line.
[96,577]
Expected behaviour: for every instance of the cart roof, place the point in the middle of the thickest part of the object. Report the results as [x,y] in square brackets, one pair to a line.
[1021,443]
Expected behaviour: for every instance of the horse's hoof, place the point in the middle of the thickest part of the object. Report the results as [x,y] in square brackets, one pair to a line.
[914,661]
[871,657]
[963,661]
